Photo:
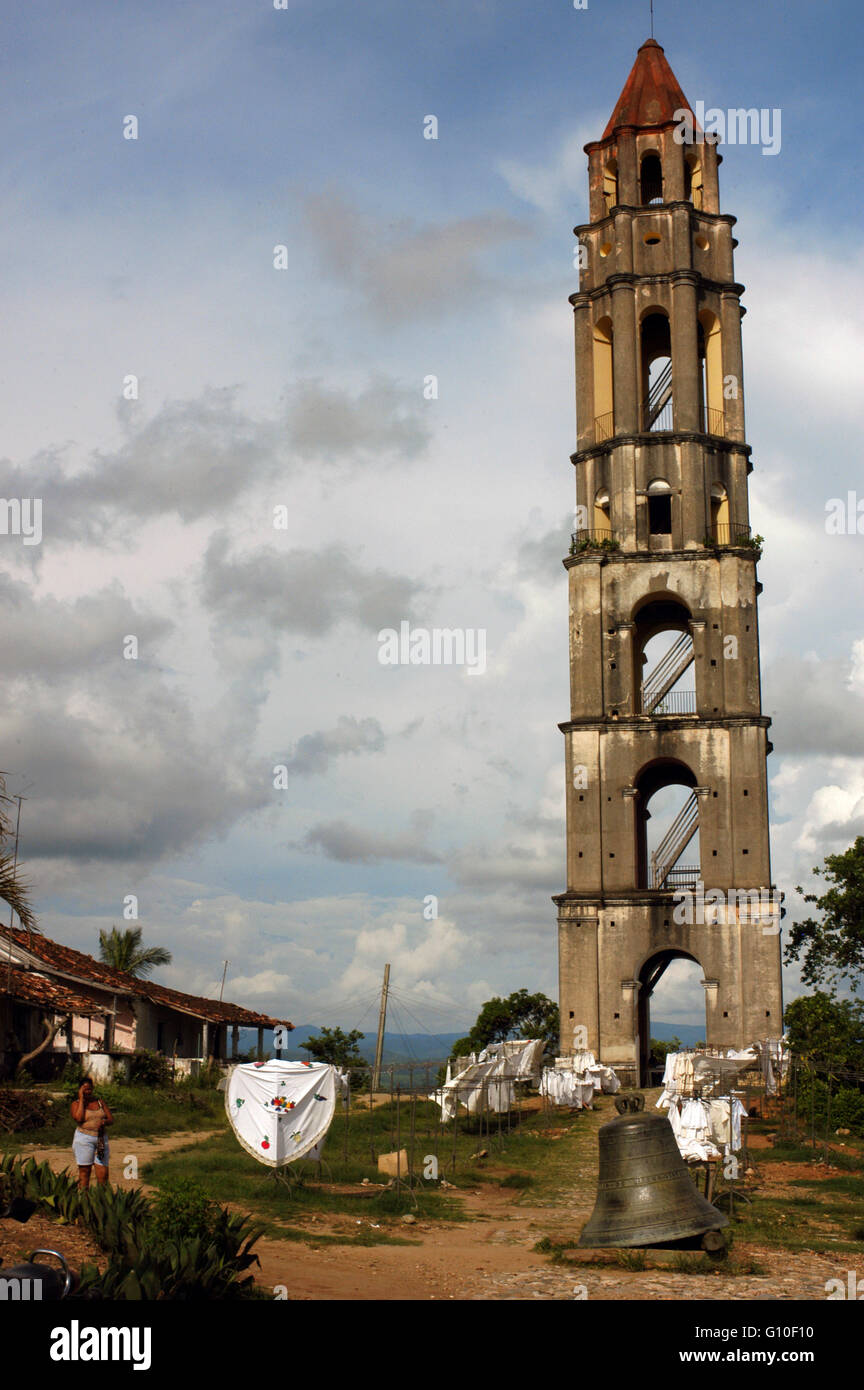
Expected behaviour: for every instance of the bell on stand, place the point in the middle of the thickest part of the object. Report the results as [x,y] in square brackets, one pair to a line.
[645,1195]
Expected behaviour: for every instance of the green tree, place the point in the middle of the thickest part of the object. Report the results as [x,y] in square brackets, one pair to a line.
[122,950]
[833,944]
[520,1015]
[825,1031]
[336,1047]
[661,1047]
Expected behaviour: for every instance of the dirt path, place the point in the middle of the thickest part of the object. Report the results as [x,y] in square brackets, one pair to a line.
[493,1257]
[122,1151]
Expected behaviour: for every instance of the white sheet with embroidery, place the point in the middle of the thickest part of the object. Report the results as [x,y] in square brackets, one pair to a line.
[280,1111]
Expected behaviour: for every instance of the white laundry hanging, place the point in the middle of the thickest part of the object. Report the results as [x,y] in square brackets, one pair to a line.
[566,1088]
[694,1131]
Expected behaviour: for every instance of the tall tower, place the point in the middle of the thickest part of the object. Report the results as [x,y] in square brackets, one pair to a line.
[666,743]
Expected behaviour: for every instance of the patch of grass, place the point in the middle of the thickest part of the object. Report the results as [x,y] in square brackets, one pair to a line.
[800,1224]
[631,1259]
[305,1235]
[231,1175]
[517,1180]
[787,1152]
[140,1112]
[849,1187]
[693,1262]
[546,1246]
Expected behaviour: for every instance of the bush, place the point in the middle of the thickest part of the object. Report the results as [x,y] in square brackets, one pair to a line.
[182,1210]
[847,1111]
[72,1075]
[181,1246]
[149,1068]
[847,1105]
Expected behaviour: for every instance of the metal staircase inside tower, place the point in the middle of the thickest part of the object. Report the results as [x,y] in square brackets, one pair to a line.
[672,846]
[658,397]
[668,670]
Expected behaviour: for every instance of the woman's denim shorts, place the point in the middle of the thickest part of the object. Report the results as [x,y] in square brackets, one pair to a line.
[84,1149]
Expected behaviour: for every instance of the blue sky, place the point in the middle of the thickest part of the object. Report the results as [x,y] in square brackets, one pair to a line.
[303,387]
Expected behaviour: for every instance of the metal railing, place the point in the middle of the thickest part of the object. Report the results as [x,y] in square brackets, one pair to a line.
[604,427]
[729,533]
[680,876]
[668,670]
[593,533]
[652,191]
[672,702]
[715,421]
[592,538]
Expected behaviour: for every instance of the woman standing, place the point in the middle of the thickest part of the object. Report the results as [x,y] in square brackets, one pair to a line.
[89,1144]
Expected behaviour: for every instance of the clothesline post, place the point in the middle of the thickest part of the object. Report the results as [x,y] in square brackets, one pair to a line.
[455,1131]
[412,1119]
[347,1119]
[398,1134]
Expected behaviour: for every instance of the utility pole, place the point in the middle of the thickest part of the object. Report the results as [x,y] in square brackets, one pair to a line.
[382,1019]
[222,986]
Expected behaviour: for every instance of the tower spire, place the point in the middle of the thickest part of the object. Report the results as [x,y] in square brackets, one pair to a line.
[651,95]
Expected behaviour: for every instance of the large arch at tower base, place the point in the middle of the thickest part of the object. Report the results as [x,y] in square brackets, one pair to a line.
[650,975]
[610,952]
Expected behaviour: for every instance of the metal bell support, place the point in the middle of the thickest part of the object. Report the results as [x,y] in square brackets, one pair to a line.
[645,1195]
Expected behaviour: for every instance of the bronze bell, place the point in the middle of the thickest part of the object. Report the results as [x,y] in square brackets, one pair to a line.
[645,1195]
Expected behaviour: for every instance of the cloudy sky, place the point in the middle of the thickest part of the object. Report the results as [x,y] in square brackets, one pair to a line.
[298,393]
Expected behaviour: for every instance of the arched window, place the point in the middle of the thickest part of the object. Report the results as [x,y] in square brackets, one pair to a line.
[720,514]
[664,657]
[604,395]
[651,179]
[610,185]
[693,179]
[659,508]
[602,521]
[656,357]
[667,826]
[711,357]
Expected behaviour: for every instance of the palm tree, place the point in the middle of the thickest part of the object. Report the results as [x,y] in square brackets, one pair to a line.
[13,889]
[122,950]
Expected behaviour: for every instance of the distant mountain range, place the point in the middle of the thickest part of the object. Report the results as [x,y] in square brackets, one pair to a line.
[401,1049]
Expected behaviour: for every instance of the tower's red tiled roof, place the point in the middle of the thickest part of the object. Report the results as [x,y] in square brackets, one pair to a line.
[651,94]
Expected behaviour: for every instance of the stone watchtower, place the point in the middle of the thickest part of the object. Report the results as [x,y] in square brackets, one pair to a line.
[666,742]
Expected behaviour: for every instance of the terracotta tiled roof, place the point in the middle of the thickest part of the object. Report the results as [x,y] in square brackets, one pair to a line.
[71,962]
[651,94]
[76,963]
[31,988]
[214,1010]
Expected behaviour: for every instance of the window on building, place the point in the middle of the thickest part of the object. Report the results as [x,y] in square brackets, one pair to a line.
[651,179]
[659,508]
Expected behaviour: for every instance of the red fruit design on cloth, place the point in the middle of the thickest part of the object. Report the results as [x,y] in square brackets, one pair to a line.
[265,1143]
